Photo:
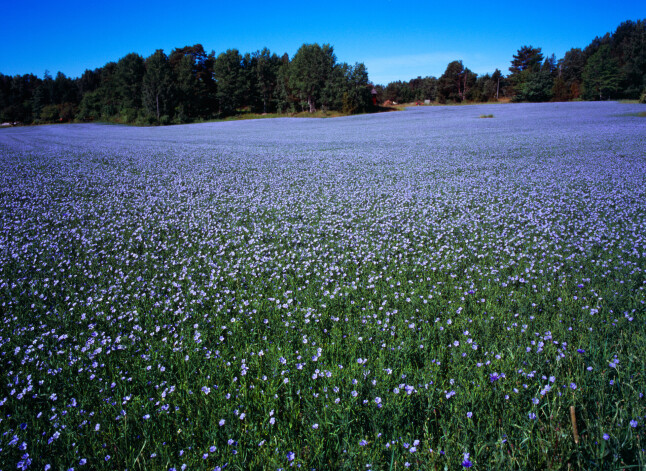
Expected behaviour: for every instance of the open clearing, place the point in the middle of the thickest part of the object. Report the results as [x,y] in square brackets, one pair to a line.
[423,290]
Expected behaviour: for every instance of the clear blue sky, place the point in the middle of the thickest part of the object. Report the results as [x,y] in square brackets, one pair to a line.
[396,40]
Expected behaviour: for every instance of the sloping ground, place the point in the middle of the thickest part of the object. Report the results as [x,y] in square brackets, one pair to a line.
[419,289]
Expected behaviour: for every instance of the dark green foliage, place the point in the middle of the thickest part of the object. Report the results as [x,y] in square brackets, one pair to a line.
[129,75]
[309,71]
[356,99]
[424,88]
[539,86]
[195,84]
[89,81]
[560,91]
[601,75]
[266,68]
[629,48]
[418,89]
[335,90]
[109,103]
[158,85]
[456,83]
[313,80]
[43,95]
[186,87]
[527,58]
[90,106]
[17,98]
[65,90]
[527,62]
[232,86]
[570,70]
[398,92]
[488,87]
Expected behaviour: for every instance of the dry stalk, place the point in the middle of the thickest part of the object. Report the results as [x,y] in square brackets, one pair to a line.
[575,432]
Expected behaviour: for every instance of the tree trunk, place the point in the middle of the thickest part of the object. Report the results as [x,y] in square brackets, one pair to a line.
[310,102]
[157,102]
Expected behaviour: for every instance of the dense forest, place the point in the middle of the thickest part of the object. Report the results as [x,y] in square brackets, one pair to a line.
[189,84]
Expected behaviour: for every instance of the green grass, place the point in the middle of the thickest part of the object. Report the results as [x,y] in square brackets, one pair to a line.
[495,431]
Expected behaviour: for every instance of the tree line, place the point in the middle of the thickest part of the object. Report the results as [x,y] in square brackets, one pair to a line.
[610,67]
[188,84]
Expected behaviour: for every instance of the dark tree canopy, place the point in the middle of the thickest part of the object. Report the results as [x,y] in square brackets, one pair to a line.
[129,75]
[231,81]
[309,70]
[601,75]
[158,85]
[455,83]
[527,58]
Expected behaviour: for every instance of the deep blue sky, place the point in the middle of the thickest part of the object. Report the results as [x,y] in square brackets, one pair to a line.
[397,40]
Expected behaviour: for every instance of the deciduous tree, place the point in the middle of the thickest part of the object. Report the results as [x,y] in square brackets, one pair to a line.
[309,71]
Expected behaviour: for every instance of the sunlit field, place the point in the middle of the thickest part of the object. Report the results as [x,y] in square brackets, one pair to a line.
[422,289]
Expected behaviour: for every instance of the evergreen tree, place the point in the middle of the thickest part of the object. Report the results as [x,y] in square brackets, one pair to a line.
[525,63]
[107,94]
[187,88]
[89,81]
[267,66]
[628,47]
[129,73]
[335,93]
[158,85]
[455,83]
[571,73]
[231,82]
[357,97]
[601,75]
[560,91]
[536,87]
[285,99]
[526,58]
[195,84]
[43,95]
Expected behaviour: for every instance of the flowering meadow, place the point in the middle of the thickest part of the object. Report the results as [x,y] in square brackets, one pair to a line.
[423,289]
